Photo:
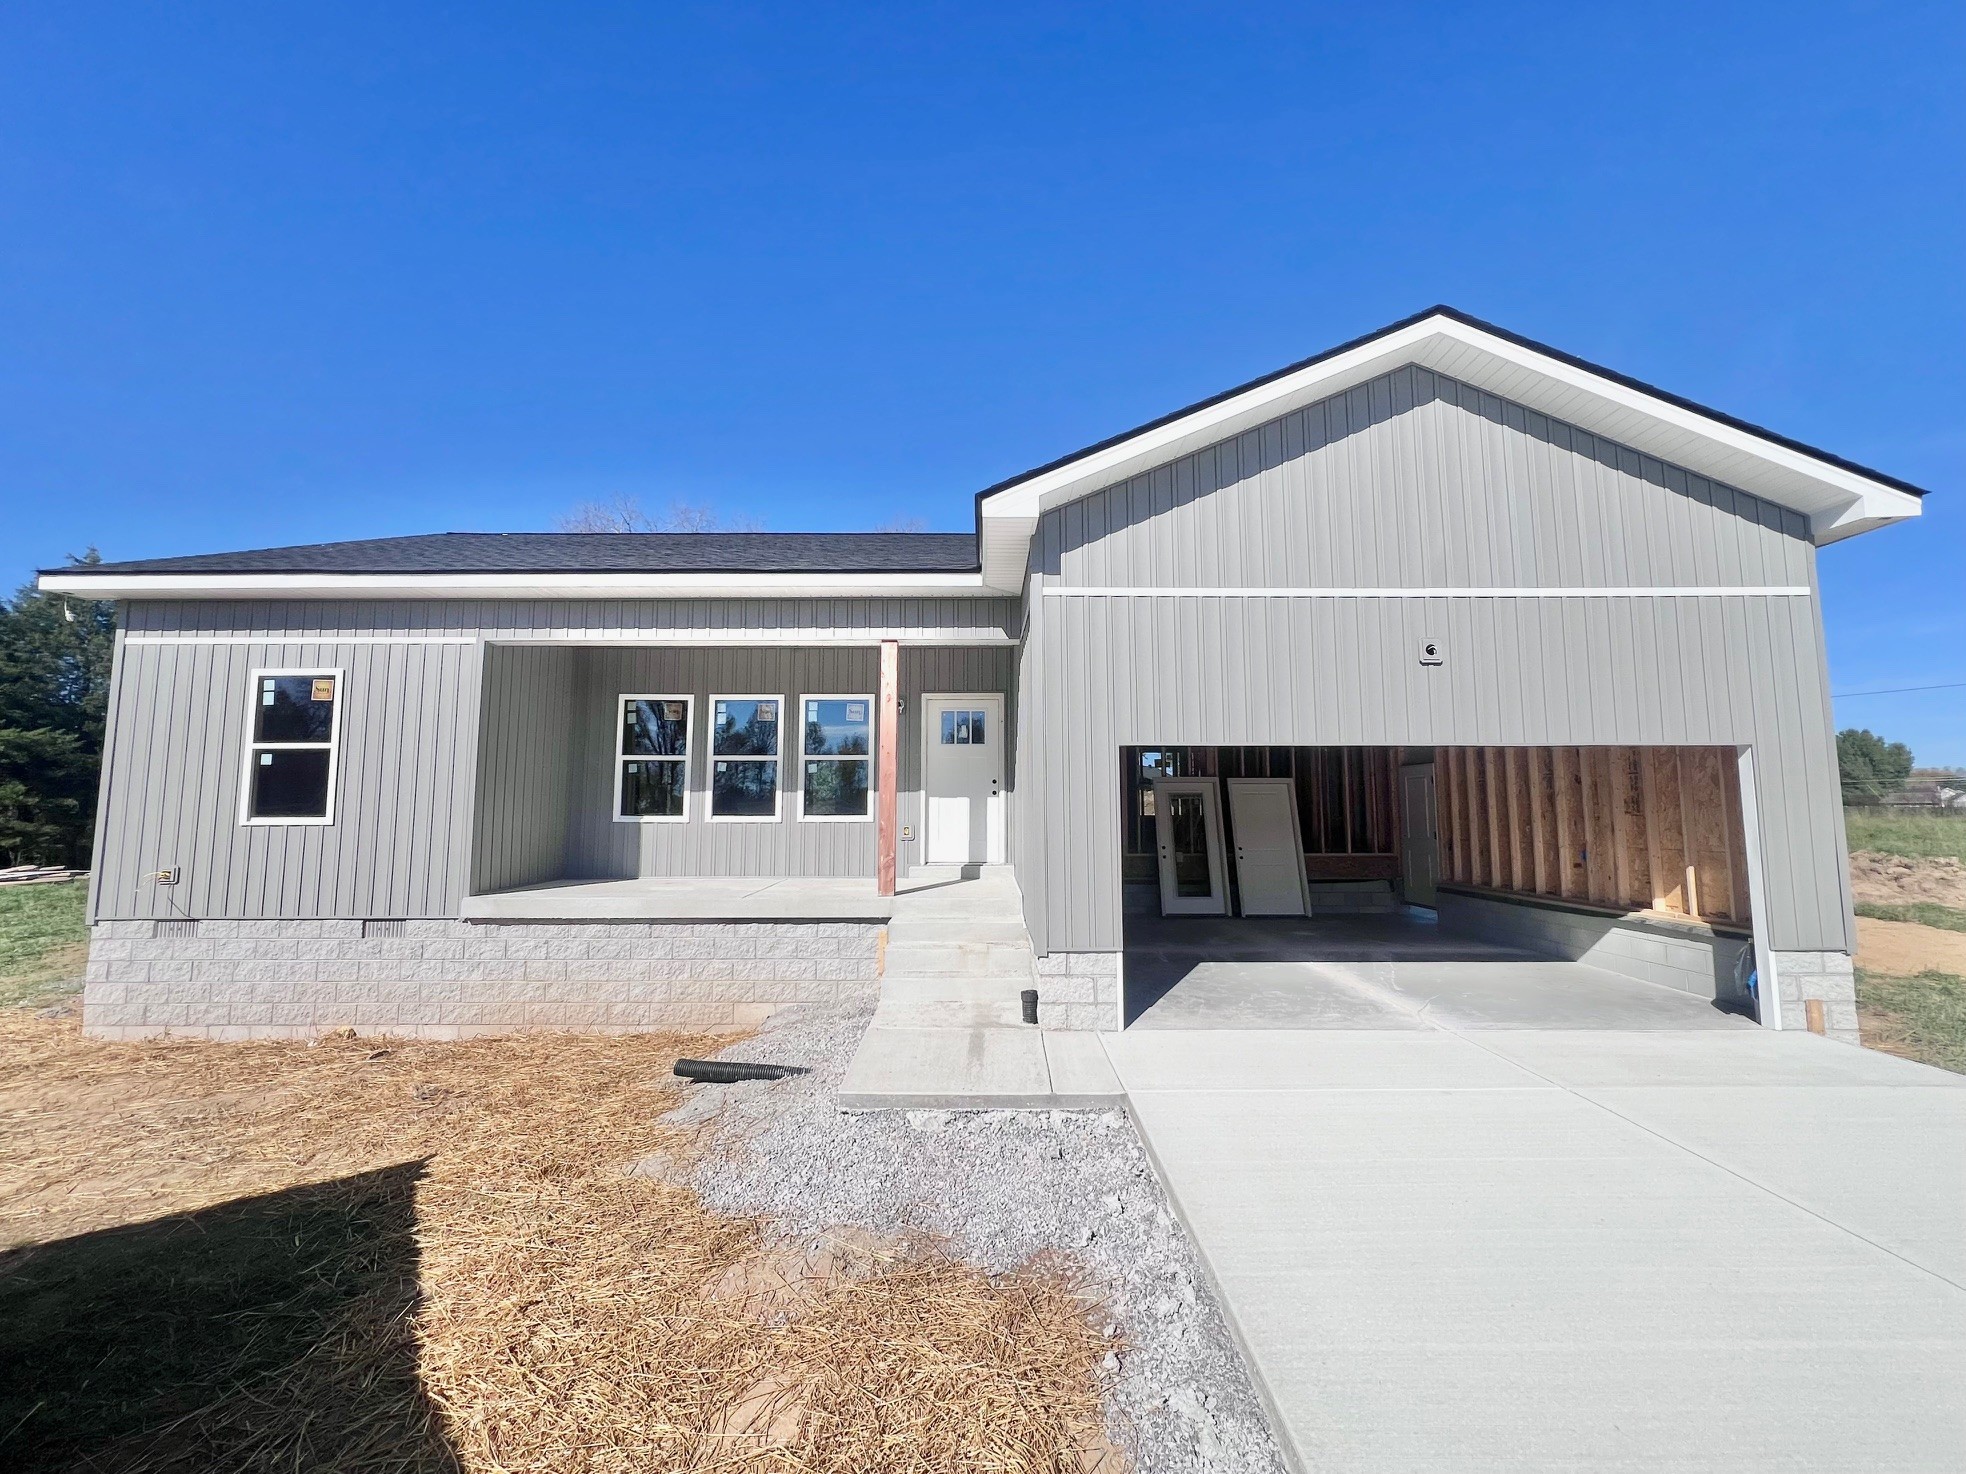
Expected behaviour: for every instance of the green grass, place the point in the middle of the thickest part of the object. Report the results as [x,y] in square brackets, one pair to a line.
[1915,835]
[1923,1018]
[43,942]
[1924,913]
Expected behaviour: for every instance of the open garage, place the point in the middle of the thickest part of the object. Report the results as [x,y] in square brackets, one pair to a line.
[1314,887]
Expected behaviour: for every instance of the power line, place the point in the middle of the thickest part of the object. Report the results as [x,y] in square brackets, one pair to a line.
[1896,690]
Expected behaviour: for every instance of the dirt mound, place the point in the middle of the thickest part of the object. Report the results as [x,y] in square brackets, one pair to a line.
[1904,949]
[1894,880]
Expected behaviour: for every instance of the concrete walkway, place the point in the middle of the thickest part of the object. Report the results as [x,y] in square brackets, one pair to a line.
[1609,1248]
[948,1031]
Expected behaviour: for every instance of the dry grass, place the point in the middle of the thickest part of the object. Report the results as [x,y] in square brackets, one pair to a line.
[426,1256]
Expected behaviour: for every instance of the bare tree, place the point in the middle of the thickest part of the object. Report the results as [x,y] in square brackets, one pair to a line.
[625,514]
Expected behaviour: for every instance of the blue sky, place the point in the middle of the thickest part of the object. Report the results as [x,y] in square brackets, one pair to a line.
[279,274]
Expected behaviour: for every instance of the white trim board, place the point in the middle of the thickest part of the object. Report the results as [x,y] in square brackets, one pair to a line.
[516,585]
[605,638]
[1786,591]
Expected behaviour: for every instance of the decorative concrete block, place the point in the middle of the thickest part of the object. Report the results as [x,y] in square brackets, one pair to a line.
[292,977]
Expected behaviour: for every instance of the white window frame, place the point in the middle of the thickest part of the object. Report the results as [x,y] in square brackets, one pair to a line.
[873,773]
[253,746]
[621,759]
[711,757]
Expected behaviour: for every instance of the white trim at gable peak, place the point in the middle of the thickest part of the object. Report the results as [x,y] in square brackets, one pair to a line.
[1838,499]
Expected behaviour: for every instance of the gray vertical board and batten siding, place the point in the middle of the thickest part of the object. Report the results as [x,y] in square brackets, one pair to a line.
[410,837]
[525,788]
[176,769]
[1414,481]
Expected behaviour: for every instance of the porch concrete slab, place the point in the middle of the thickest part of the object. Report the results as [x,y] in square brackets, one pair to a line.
[976,1069]
[1436,1263]
[663,899]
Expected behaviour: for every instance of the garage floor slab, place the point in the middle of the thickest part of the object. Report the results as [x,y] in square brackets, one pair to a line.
[1394,971]
[1610,1249]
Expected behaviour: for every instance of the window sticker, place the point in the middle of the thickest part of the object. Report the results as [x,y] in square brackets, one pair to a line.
[324,689]
[856,711]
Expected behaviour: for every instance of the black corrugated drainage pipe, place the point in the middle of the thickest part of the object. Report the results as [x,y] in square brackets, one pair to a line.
[730,1071]
[1029,998]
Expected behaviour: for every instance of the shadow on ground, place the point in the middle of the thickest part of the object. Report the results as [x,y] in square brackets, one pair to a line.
[268,1332]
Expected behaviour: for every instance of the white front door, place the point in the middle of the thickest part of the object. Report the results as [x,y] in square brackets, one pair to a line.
[1269,855]
[962,780]
[1189,832]
[1419,840]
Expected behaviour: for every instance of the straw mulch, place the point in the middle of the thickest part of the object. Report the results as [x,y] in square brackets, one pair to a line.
[381,1256]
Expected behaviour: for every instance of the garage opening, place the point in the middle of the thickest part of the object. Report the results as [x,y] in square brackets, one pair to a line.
[1243,864]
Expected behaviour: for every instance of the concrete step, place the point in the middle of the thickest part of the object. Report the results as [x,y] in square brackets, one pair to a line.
[955,987]
[982,1068]
[981,960]
[949,1013]
[949,931]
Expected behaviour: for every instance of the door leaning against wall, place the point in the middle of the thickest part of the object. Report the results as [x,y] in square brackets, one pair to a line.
[962,780]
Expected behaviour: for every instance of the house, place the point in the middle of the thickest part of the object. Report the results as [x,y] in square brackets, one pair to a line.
[1441,617]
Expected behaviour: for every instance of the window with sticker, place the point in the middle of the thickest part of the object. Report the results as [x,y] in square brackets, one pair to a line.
[651,759]
[836,781]
[744,751]
[290,751]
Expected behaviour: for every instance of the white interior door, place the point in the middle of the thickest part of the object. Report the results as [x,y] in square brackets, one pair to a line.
[1269,853]
[1189,832]
[962,780]
[1419,840]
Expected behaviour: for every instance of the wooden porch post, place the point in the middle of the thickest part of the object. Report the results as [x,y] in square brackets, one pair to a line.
[888,770]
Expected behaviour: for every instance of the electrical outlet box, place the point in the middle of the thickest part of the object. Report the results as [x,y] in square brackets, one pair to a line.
[907,831]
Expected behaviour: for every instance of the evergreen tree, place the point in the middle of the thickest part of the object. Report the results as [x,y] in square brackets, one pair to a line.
[55,655]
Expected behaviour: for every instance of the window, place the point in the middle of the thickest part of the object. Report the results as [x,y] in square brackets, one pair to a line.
[651,760]
[290,747]
[837,750]
[962,729]
[744,758]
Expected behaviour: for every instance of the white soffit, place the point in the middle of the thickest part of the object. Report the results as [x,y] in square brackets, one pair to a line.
[1838,499]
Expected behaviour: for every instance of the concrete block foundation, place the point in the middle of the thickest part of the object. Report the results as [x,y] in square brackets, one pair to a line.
[451,979]
[1078,990]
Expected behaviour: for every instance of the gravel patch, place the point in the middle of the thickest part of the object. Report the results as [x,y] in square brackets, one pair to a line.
[999,1186]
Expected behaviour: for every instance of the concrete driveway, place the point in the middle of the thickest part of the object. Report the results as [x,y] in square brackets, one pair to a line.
[1451,1242]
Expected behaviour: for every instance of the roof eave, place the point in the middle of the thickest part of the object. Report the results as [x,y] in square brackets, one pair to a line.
[695,585]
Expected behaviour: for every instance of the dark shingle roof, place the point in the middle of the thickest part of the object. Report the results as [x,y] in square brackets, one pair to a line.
[593,552]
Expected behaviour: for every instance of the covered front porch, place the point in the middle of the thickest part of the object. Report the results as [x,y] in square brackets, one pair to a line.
[733,782]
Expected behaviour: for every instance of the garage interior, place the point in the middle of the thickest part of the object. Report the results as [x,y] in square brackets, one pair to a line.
[1525,886]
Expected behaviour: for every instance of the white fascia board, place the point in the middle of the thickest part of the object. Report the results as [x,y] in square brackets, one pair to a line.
[1837,500]
[513,585]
